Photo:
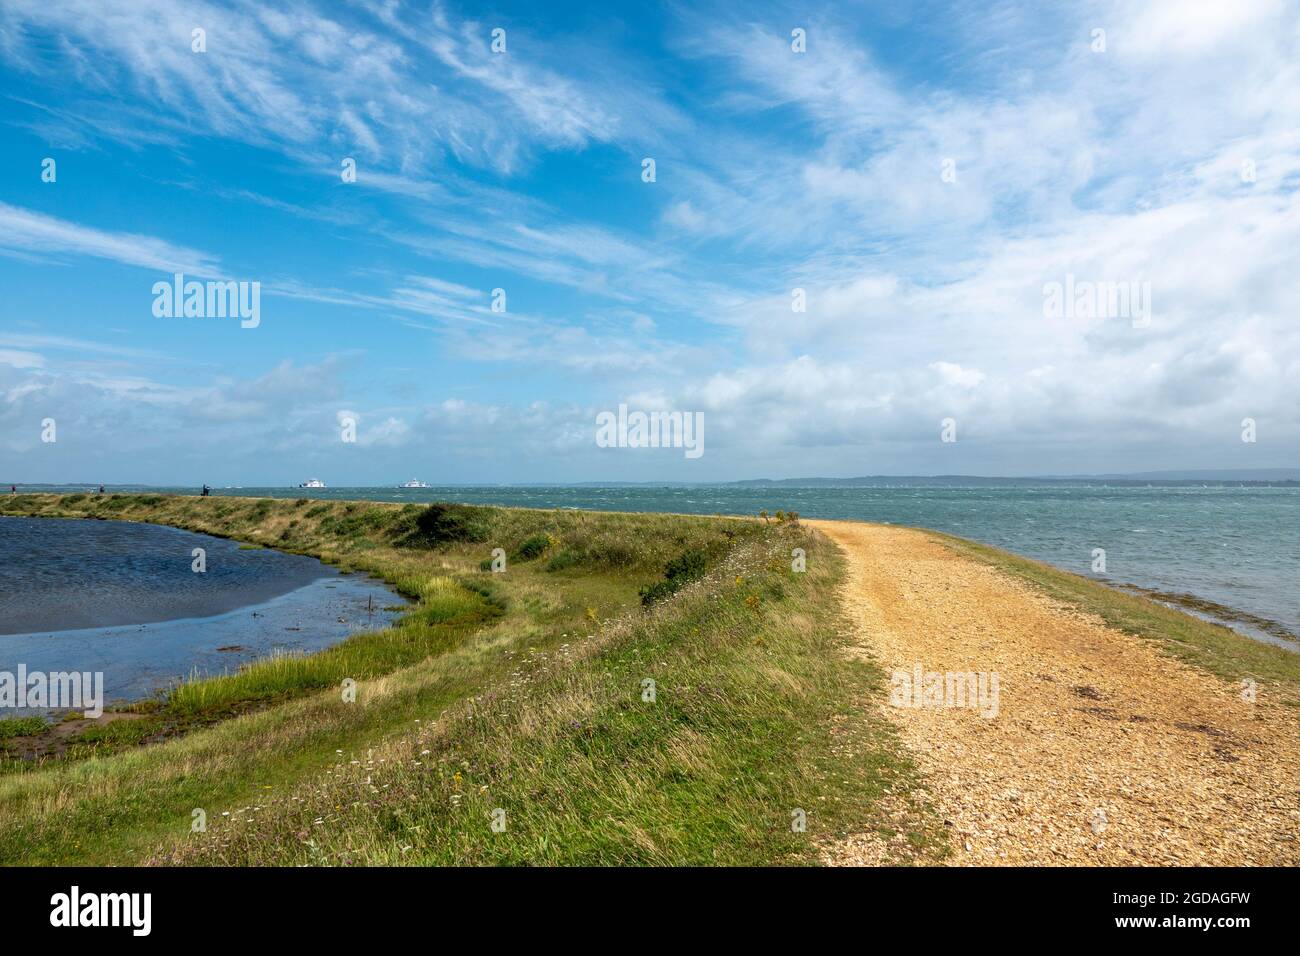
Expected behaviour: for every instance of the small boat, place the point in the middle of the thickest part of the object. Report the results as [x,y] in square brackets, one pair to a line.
[413,483]
[312,483]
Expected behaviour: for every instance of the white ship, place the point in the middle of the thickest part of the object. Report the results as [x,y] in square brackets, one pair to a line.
[414,483]
[312,483]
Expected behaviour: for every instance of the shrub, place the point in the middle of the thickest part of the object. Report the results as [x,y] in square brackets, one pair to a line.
[354,523]
[656,592]
[678,572]
[444,523]
[565,559]
[534,547]
[614,554]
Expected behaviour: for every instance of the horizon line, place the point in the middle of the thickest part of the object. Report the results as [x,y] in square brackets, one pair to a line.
[1279,474]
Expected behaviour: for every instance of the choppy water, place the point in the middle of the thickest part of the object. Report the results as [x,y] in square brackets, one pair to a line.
[122,598]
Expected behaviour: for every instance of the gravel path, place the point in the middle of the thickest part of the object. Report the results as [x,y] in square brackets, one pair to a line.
[1102,751]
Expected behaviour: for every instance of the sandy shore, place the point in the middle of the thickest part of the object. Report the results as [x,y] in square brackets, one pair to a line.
[1102,751]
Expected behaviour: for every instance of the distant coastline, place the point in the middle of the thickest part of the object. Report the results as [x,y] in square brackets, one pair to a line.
[1233,478]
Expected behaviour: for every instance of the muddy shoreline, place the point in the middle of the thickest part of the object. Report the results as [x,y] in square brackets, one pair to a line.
[141,661]
[1252,625]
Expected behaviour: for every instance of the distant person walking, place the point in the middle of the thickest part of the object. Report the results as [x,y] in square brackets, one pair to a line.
[206,491]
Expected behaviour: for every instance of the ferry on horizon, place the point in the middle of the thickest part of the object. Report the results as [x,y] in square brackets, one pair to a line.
[414,483]
[312,483]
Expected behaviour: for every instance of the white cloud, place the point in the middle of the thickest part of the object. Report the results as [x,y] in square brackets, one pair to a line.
[404,97]
[21,359]
[42,236]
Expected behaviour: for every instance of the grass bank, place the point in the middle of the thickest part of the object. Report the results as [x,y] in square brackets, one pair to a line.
[632,689]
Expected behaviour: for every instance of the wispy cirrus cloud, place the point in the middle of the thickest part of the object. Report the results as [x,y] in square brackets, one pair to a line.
[36,235]
[295,78]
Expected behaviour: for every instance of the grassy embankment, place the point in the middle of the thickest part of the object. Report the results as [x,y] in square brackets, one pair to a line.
[523,692]
[1206,645]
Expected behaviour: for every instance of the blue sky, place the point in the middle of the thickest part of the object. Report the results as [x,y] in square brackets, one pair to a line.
[775,170]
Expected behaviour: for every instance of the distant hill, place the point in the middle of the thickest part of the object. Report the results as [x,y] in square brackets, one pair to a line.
[1262,476]
[1209,474]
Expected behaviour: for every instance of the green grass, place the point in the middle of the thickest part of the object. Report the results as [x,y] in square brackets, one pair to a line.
[103,739]
[748,679]
[21,726]
[442,619]
[1212,647]
[525,688]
